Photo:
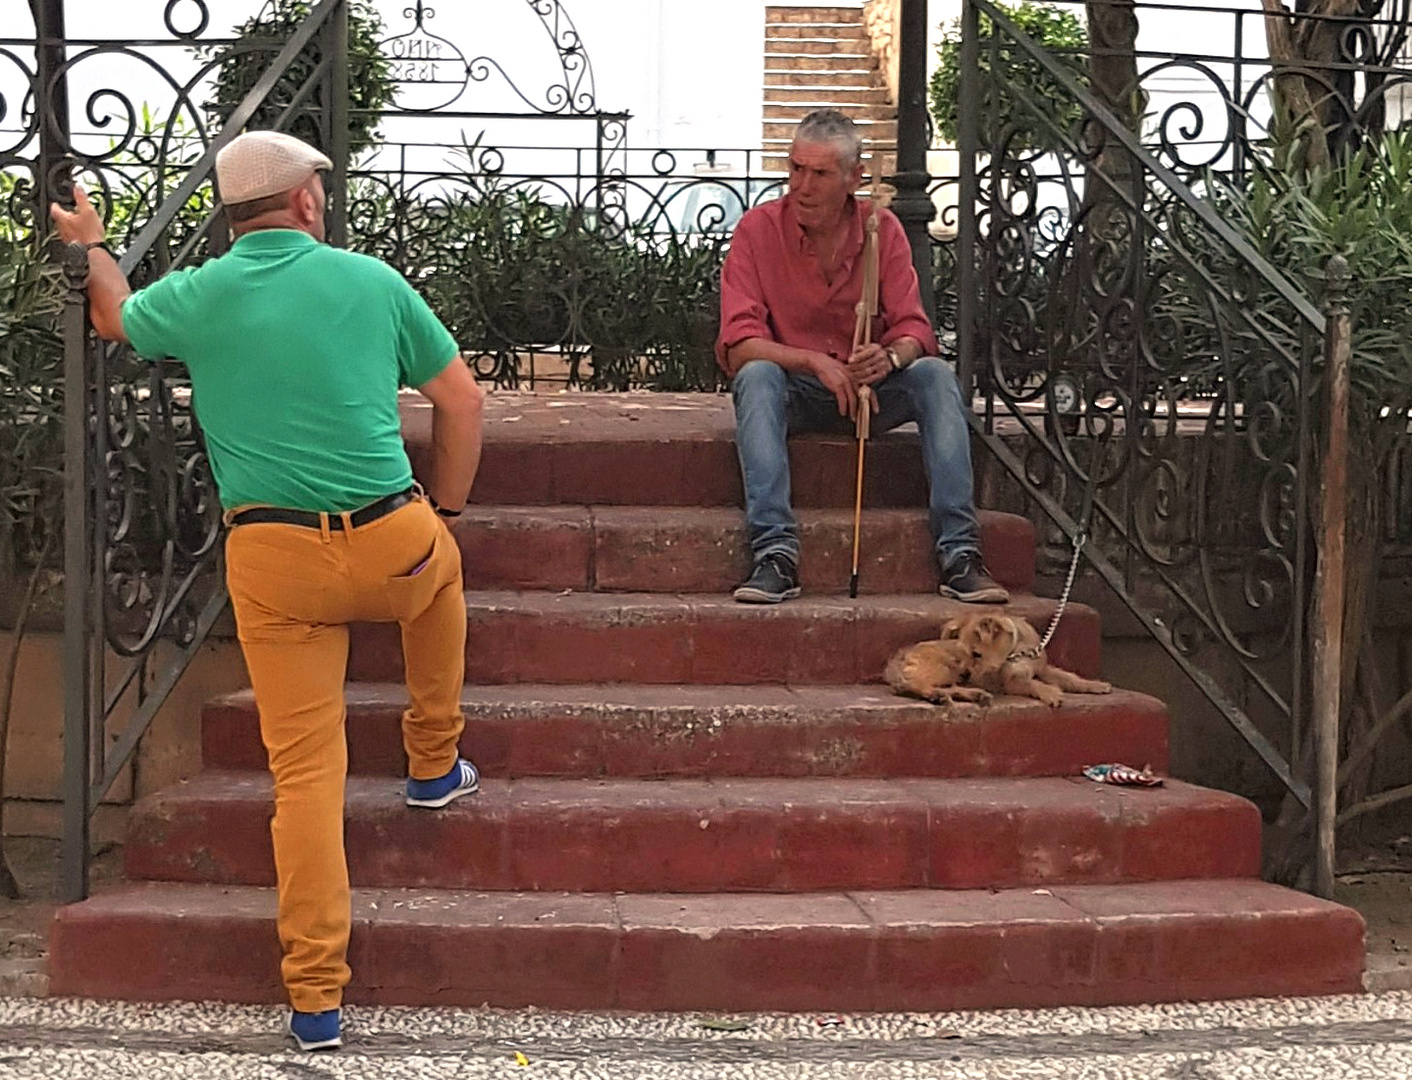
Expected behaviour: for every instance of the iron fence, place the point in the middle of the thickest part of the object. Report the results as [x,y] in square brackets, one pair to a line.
[548,270]
[1104,295]
[1086,283]
[143,582]
[1112,300]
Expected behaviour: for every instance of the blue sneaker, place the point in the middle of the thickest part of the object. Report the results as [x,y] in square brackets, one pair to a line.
[317,1030]
[461,780]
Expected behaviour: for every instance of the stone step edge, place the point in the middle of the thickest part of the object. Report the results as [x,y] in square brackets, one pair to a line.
[638,731]
[912,950]
[763,835]
[695,550]
[816,699]
[702,633]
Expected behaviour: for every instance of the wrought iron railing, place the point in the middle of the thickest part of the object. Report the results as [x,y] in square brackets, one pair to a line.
[1103,297]
[549,270]
[1095,290]
[142,565]
[1199,95]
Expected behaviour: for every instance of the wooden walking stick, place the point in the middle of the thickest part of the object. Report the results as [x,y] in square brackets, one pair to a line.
[863,335]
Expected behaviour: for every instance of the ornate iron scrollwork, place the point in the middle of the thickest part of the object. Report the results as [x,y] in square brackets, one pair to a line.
[434,74]
[430,71]
[1098,272]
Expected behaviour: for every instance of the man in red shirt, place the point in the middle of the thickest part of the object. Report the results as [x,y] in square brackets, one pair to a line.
[789,288]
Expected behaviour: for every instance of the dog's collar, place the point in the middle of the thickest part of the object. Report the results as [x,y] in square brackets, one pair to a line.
[1017,653]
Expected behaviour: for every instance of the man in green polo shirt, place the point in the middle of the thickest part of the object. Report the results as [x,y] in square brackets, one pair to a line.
[296,352]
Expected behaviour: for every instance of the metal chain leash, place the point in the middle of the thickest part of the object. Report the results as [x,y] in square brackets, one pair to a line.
[1080,539]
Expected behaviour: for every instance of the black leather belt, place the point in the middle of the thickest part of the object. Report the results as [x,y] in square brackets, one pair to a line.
[364,515]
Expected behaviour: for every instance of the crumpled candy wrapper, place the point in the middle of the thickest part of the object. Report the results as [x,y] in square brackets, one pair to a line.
[1122,774]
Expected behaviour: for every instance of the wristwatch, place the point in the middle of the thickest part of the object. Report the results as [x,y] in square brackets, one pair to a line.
[894,359]
[443,511]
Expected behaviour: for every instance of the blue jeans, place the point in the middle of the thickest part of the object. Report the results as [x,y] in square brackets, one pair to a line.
[772,403]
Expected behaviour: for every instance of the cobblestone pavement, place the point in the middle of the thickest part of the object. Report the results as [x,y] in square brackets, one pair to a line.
[1288,1039]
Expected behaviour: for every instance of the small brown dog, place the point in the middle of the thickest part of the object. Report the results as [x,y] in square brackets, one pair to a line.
[934,671]
[1005,658]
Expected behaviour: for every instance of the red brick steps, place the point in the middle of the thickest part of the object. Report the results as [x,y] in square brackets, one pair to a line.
[660,731]
[668,450]
[718,835]
[915,949]
[569,637]
[860,851]
[691,550]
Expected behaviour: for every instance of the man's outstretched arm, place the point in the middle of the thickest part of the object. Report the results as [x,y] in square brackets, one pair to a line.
[107,288]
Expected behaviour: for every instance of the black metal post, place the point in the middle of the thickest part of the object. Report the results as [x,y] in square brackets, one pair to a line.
[966,201]
[337,104]
[913,205]
[52,103]
[78,629]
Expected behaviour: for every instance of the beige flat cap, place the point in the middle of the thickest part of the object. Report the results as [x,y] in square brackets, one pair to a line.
[258,164]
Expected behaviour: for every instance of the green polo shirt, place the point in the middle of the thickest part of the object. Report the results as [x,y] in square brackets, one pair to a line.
[296,352]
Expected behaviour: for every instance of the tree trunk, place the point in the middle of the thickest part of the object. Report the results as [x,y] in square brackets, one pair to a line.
[1313,100]
[1112,67]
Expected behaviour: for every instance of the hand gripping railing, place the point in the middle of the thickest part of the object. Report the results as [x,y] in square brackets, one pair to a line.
[142,567]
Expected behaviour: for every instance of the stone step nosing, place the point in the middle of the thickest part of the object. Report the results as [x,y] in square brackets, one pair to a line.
[644,638]
[726,731]
[851,952]
[818,31]
[823,80]
[769,835]
[804,13]
[838,57]
[831,92]
[707,549]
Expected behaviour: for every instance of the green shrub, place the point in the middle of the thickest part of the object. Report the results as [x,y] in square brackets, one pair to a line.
[509,271]
[31,402]
[240,65]
[1054,28]
[1360,208]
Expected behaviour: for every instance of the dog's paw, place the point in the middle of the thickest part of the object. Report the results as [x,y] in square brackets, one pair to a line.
[1051,696]
[1100,687]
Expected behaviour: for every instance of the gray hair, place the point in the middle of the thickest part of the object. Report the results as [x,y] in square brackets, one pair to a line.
[831,126]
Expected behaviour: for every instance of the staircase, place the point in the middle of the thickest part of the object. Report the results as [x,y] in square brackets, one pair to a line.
[818,57]
[694,804]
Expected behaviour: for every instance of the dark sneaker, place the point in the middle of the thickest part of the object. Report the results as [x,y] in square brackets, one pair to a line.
[773,579]
[967,579]
[461,780]
[316,1030]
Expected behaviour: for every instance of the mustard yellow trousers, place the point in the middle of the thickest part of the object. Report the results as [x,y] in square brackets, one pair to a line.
[295,590]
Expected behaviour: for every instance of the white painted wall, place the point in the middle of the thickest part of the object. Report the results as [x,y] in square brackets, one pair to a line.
[689,73]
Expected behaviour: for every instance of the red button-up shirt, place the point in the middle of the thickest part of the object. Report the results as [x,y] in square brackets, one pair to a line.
[772,288]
